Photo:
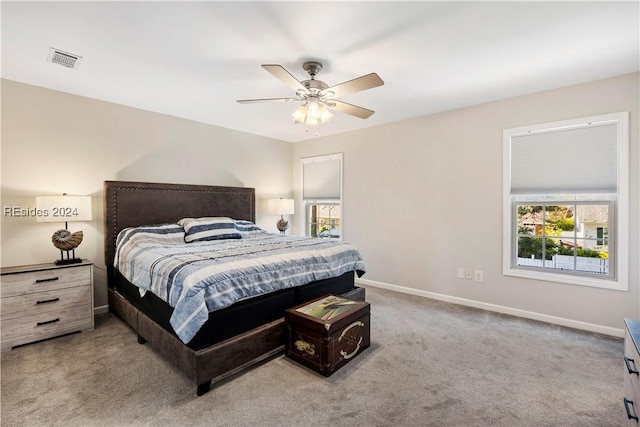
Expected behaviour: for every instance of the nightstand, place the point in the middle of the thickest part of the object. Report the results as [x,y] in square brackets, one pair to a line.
[45,300]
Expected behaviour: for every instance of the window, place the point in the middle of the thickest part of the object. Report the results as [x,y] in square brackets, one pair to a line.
[566,201]
[323,220]
[322,196]
[563,236]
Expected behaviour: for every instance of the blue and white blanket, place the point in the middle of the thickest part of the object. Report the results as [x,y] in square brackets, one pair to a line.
[198,277]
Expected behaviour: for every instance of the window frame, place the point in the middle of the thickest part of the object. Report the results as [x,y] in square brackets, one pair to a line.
[587,200]
[308,206]
[618,222]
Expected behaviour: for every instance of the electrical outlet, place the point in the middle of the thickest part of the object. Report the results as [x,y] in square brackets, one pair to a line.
[468,274]
[478,276]
[460,273]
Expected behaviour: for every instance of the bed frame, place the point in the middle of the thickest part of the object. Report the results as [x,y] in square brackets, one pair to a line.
[130,204]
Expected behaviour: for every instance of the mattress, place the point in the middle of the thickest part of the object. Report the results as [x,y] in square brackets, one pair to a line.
[240,317]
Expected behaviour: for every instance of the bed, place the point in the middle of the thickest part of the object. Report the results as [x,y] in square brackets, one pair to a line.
[232,338]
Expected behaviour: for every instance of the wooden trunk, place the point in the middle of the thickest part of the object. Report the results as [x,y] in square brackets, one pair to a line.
[328,332]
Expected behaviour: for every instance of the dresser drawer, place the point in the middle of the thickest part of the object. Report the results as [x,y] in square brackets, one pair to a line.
[43,302]
[21,330]
[630,401]
[45,280]
[631,362]
[631,386]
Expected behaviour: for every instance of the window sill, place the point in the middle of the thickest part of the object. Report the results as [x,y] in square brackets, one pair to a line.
[567,279]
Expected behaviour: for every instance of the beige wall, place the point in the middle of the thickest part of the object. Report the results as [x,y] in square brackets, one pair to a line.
[440,176]
[53,142]
[423,197]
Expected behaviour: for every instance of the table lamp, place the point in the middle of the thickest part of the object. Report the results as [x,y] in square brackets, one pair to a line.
[65,208]
[281,207]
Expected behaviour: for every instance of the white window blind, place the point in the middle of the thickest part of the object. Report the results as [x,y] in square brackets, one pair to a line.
[321,178]
[571,160]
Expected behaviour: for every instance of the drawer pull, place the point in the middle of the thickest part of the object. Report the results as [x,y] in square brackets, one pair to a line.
[626,407]
[46,301]
[628,362]
[48,322]
[50,279]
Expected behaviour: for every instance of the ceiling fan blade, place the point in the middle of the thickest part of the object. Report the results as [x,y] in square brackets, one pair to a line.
[356,85]
[353,110]
[279,72]
[250,101]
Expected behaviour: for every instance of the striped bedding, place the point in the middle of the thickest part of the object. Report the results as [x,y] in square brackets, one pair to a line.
[202,276]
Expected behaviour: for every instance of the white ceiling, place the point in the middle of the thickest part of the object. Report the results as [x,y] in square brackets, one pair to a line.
[195,59]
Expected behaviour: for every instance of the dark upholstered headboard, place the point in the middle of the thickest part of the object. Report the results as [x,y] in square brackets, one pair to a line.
[130,204]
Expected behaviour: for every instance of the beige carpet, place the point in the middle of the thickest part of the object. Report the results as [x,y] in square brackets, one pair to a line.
[430,364]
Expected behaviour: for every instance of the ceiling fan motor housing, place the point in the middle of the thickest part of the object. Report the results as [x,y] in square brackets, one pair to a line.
[315,84]
[313,68]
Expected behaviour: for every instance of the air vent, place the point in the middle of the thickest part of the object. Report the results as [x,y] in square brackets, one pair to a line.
[63,58]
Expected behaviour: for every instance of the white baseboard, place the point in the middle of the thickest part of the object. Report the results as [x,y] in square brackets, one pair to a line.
[100,310]
[576,324]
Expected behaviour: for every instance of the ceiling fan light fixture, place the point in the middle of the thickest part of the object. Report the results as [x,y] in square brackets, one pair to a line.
[325,114]
[312,113]
[311,122]
[300,114]
[313,109]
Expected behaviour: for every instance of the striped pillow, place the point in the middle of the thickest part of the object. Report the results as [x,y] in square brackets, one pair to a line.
[209,228]
[244,225]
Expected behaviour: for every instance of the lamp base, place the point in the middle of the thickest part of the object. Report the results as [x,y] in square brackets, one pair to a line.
[68,261]
[282,225]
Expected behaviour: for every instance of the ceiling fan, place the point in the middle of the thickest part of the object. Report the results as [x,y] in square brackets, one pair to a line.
[317,96]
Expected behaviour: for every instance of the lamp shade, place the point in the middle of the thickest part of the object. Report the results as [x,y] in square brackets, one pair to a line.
[280,206]
[63,208]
